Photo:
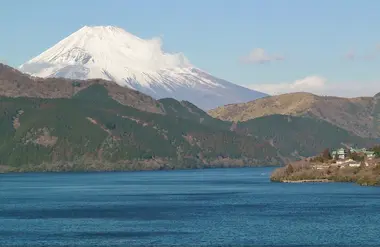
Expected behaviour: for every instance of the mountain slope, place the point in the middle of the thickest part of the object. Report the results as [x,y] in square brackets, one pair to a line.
[187,110]
[91,131]
[357,115]
[13,83]
[65,125]
[298,137]
[110,53]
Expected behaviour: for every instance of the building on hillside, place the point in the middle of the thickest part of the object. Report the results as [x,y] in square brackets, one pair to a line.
[321,166]
[358,150]
[339,153]
[367,153]
[343,162]
[354,164]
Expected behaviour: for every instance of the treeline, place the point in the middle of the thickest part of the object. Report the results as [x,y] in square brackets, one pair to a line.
[299,136]
[92,131]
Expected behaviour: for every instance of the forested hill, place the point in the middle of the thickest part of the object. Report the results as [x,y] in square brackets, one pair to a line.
[91,131]
[66,125]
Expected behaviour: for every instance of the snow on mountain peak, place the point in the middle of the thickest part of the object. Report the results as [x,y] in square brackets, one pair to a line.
[108,45]
[111,53]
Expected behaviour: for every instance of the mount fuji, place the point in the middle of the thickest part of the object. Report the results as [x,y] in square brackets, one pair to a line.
[111,53]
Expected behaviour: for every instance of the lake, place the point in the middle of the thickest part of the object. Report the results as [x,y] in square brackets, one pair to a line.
[214,207]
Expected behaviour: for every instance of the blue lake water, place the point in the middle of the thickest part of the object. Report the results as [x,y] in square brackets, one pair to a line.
[215,207]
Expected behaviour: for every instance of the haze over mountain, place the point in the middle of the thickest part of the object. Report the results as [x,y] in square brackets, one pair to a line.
[113,54]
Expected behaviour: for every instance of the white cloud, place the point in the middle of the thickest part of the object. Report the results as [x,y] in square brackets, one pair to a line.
[259,55]
[320,86]
[307,84]
[351,55]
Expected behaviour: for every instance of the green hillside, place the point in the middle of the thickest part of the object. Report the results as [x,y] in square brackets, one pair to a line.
[91,131]
[300,136]
[294,137]
[187,110]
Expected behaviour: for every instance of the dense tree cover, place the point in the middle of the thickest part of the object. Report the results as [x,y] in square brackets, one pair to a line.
[357,157]
[93,127]
[187,110]
[301,136]
[91,131]
[376,149]
[326,154]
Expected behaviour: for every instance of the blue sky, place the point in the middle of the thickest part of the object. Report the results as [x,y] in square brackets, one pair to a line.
[307,45]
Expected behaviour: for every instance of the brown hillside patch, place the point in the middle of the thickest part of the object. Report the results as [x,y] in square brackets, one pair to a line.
[286,104]
[13,83]
[136,120]
[41,137]
[352,114]
[93,121]
[46,140]
[16,120]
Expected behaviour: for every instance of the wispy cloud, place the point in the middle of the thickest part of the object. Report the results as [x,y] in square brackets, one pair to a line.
[350,55]
[321,86]
[308,84]
[370,55]
[260,56]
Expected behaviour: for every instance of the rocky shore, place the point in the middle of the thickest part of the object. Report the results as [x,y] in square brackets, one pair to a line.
[366,172]
[308,181]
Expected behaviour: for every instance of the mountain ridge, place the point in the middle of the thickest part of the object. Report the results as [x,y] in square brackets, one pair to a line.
[14,83]
[110,53]
[57,124]
[358,115]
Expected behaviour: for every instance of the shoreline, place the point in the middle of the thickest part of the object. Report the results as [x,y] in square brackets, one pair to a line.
[308,181]
[366,172]
[136,170]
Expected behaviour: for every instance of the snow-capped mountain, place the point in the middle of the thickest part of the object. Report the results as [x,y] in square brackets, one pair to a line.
[111,53]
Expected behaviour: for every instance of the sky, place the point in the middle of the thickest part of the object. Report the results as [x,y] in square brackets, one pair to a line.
[275,46]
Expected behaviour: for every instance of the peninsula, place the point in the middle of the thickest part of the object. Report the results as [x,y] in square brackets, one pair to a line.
[359,166]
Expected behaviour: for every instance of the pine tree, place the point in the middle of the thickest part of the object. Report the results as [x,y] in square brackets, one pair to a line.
[326,154]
